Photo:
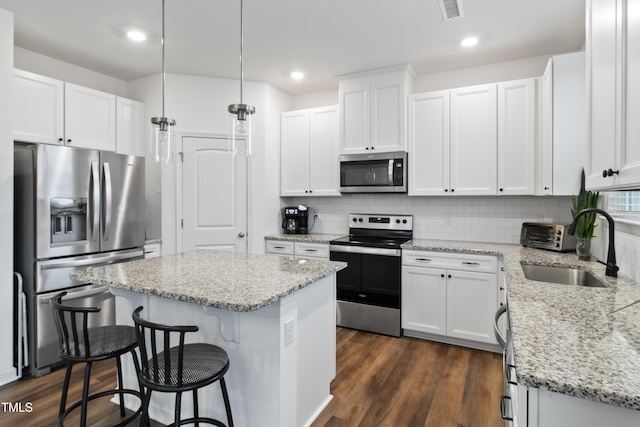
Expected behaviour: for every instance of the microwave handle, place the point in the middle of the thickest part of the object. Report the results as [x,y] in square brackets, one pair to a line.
[391,163]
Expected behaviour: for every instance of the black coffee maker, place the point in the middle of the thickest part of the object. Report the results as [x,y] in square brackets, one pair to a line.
[295,220]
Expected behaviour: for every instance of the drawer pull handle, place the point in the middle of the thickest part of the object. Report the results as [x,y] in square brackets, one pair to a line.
[278,247]
[470,263]
[311,250]
[423,259]
[503,408]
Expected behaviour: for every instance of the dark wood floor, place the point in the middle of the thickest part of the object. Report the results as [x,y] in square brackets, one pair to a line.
[384,381]
[380,381]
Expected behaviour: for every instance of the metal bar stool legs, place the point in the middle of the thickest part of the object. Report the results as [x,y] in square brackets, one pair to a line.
[178,369]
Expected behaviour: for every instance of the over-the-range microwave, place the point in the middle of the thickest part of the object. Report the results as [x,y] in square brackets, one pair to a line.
[373,173]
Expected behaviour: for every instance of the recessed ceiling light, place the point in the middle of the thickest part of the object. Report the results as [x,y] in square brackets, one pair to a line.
[469,41]
[136,35]
[297,75]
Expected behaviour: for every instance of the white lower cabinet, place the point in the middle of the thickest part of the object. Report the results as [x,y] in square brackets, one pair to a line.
[542,408]
[302,250]
[450,295]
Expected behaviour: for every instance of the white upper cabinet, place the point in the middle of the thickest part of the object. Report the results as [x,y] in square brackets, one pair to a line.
[90,118]
[38,108]
[429,144]
[130,127]
[49,111]
[373,111]
[517,136]
[613,83]
[309,152]
[563,145]
[473,141]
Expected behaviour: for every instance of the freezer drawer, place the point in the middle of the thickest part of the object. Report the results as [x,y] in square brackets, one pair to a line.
[46,338]
[52,275]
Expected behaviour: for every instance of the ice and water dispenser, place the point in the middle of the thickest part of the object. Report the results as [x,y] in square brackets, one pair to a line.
[68,219]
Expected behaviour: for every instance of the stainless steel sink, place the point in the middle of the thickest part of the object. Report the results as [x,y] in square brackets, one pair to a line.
[561,275]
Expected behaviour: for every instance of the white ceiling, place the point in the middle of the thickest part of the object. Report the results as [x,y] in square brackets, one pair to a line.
[323,38]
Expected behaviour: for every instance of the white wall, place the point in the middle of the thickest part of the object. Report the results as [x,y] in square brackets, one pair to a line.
[7,372]
[477,219]
[46,66]
[315,99]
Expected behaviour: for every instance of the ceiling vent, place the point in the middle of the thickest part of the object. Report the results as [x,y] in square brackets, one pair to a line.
[451,9]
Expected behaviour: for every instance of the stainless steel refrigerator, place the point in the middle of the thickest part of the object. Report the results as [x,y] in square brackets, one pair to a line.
[74,209]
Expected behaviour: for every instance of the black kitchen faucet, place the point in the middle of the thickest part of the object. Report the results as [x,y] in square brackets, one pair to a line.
[612,268]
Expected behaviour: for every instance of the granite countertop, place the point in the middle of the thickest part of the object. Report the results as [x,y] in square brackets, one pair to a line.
[564,338]
[231,281]
[307,238]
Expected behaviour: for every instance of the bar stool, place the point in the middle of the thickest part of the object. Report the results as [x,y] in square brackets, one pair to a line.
[185,367]
[81,343]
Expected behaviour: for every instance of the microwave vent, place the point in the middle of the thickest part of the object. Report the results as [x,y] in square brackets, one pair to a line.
[451,9]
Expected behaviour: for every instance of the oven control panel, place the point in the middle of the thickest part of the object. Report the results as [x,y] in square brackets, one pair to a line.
[381,222]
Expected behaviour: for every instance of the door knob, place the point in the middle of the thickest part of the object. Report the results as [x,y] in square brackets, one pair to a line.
[241,234]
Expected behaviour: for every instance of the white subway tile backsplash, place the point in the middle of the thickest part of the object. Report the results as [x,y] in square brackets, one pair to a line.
[487,219]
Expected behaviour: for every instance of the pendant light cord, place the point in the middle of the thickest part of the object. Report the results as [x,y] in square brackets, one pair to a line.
[163,72]
[241,46]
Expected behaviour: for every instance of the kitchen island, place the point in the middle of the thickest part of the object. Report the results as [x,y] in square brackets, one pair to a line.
[274,316]
[576,363]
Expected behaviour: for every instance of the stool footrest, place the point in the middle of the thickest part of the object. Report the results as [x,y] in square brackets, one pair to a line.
[102,394]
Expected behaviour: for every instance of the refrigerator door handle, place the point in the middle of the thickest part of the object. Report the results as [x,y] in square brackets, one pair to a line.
[95,197]
[53,264]
[108,191]
[75,295]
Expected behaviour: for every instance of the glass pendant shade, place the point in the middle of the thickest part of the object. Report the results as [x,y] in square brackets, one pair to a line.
[163,129]
[241,129]
[163,135]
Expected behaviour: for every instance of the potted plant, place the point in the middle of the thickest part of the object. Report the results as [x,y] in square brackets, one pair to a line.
[587,223]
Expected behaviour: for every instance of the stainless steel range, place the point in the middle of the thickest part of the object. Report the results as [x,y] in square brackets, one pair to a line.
[369,288]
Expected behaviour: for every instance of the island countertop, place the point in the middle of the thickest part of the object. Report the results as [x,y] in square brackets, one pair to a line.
[231,281]
[565,338]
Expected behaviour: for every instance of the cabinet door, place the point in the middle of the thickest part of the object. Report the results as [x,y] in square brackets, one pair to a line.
[471,304]
[546,138]
[474,141]
[517,104]
[90,118]
[38,108]
[602,78]
[388,123]
[429,144]
[130,127]
[294,152]
[424,300]
[354,117]
[323,151]
[629,164]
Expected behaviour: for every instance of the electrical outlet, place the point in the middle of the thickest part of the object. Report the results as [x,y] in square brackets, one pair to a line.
[288,332]
[447,218]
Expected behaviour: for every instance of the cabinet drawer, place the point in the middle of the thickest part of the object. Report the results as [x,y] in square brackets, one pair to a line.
[312,250]
[451,261]
[279,247]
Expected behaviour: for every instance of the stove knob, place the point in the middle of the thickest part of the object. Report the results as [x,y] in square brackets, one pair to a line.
[355,220]
[397,221]
[359,219]
[404,221]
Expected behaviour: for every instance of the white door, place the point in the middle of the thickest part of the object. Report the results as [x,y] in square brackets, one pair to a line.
[630,150]
[355,117]
[89,118]
[294,153]
[214,196]
[388,103]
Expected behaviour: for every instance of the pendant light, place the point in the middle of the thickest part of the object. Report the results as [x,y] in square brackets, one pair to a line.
[162,128]
[240,114]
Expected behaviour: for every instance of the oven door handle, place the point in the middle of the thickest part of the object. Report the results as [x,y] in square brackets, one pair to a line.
[365,250]
[496,330]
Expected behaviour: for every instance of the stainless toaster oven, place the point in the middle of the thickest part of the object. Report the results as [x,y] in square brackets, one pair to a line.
[553,237]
